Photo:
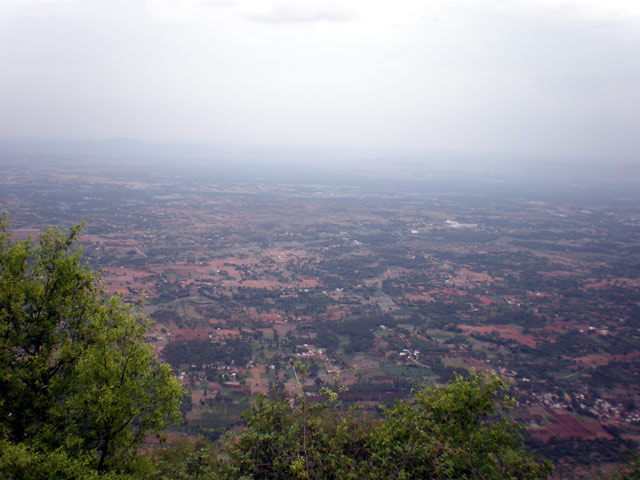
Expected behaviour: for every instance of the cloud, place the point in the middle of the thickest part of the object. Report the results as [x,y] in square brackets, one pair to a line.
[282,14]
[539,76]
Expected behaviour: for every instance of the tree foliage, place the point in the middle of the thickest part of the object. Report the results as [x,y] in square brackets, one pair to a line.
[454,432]
[451,432]
[204,352]
[631,470]
[78,382]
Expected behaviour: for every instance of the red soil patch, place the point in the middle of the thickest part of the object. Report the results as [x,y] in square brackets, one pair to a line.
[484,300]
[271,284]
[283,328]
[596,360]
[593,360]
[257,384]
[225,333]
[348,378]
[284,256]
[110,240]
[308,282]
[187,334]
[505,331]
[558,274]
[477,364]
[562,326]
[450,292]
[266,284]
[419,297]
[472,276]
[336,313]
[198,395]
[129,283]
[627,357]
[125,274]
[24,233]
[217,322]
[272,317]
[563,425]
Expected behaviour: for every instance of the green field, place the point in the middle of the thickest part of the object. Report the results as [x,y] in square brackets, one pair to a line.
[408,371]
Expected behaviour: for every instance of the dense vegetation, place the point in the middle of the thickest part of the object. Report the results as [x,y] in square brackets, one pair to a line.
[80,387]
[453,432]
[204,352]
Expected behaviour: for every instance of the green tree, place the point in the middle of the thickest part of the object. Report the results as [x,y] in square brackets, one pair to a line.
[19,461]
[281,443]
[186,459]
[450,432]
[454,432]
[76,375]
[297,439]
[629,471]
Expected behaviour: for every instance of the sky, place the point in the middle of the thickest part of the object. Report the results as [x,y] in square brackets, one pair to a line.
[533,77]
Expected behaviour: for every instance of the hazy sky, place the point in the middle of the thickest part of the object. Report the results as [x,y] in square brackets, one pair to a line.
[552,77]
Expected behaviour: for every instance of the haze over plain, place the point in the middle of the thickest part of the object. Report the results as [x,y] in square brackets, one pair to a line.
[536,78]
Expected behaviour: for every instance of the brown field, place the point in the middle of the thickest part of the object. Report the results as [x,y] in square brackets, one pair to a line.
[271,284]
[558,423]
[477,364]
[265,317]
[471,276]
[258,384]
[283,328]
[597,360]
[594,360]
[199,395]
[505,331]
[419,297]
[558,274]
[484,300]
[336,313]
[562,326]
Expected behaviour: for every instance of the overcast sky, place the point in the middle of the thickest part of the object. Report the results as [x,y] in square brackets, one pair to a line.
[537,77]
